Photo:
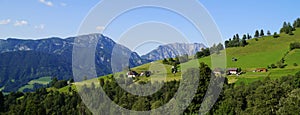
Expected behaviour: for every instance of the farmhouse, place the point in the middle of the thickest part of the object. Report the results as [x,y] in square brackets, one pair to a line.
[261,70]
[132,74]
[146,73]
[232,71]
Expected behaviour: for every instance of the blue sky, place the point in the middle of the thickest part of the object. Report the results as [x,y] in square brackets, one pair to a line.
[35,19]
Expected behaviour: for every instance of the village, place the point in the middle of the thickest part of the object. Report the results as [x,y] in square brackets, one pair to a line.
[235,70]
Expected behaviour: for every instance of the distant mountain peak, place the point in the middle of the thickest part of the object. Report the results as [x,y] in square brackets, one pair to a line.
[173,50]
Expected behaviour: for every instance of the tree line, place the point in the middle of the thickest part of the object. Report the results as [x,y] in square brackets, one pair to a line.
[267,96]
[55,102]
[42,102]
[208,51]
[288,28]
[295,45]
[178,59]
[237,41]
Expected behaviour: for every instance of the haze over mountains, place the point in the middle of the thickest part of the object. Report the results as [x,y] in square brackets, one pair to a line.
[173,50]
[24,60]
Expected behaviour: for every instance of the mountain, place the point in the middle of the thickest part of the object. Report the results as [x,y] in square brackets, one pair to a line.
[173,50]
[20,67]
[25,60]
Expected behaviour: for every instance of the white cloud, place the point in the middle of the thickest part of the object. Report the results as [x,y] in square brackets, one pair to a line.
[20,23]
[48,3]
[100,28]
[40,27]
[63,4]
[4,22]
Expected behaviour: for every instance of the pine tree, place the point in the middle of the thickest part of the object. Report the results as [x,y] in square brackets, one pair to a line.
[269,33]
[296,23]
[291,32]
[291,27]
[243,43]
[165,61]
[237,36]
[248,36]
[256,35]
[262,33]
[275,35]
[284,28]
[142,104]
[244,37]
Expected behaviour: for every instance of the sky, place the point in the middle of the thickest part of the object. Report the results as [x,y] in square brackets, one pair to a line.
[37,19]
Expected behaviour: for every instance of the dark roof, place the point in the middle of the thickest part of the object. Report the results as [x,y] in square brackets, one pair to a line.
[232,69]
[132,73]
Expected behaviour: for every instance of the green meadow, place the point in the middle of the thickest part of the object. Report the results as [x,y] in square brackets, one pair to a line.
[259,53]
[30,84]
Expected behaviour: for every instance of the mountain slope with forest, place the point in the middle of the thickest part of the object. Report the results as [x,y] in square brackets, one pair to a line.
[25,60]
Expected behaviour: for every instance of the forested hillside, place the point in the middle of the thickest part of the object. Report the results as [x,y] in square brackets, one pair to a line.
[268,96]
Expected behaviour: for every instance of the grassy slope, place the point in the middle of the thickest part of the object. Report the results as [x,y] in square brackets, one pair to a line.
[260,54]
[257,54]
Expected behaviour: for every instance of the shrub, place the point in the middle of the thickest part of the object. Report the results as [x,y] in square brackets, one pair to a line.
[273,66]
[295,45]
[295,64]
[280,64]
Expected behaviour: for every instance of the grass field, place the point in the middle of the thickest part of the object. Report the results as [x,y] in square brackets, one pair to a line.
[257,54]
[260,54]
[42,81]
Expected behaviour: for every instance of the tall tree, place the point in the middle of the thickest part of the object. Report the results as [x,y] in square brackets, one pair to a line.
[249,36]
[237,36]
[290,104]
[243,43]
[165,61]
[256,35]
[275,35]
[297,23]
[290,32]
[234,37]
[244,37]
[287,28]
[269,33]
[262,33]
[142,104]
[220,46]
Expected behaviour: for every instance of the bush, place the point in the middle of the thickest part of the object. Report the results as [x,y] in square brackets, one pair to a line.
[280,64]
[295,45]
[291,33]
[295,64]
[60,84]
[273,66]
[275,35]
